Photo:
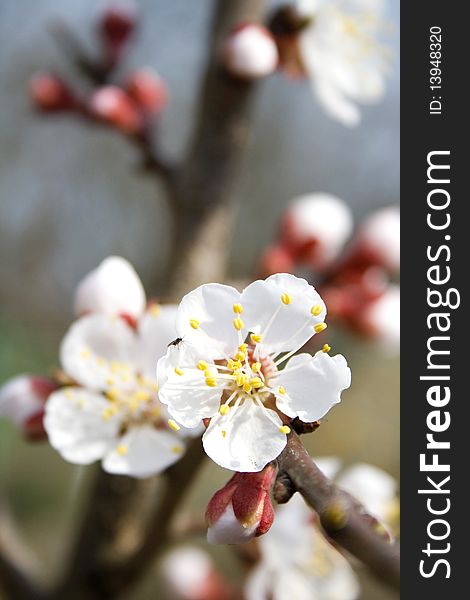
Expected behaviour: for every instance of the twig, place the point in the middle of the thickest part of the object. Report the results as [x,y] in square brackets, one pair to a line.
[16,576]
[344,520]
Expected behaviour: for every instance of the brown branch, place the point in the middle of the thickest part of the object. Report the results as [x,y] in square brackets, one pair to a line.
[344,520]
[17,571]
[119,538]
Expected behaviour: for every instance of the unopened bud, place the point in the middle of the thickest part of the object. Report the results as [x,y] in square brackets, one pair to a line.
[242,509]
[148,91]
[315,228]
[276,259]
[116,24]
[50,94]
[381,319]
[113,106]
[377,242]
[22,402]
[113,288]
[250,52]
[190,574]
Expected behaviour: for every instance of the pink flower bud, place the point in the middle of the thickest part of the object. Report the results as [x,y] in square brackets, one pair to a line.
[113,106]
[315,228]
[113,288]
[116,24]
[22,402]
[276,259]
[148,91]
[190,574]
[381,319]
[250,52]
[242,509]
[377,241]
[50,94]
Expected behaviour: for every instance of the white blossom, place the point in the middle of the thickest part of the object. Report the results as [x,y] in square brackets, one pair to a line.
[228,367]
[113,413]
[380,235]
[113,288]
[250,52]
[341,54]
[297,563]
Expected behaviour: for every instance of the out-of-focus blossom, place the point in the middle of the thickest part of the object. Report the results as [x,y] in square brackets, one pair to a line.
[277,258]
[50,94]
[242,509]
[113,288]
[315,228]
[250,52]
[377,242]
[297,563]
[112,105]
[336,46]
[148,90]
[381,319]
[190,574]
[113,413]
[374,488]
[116,24]
[22,402]
[227,368]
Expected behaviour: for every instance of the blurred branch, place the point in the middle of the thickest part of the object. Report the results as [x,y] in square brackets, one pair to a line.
[101,565]
[343,518]
[17,566]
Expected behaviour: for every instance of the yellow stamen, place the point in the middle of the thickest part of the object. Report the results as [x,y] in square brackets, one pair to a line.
[241,379]
[238,324]
[284,429]
[247,387]
[109,412]
[256,367]
[155,310]
[109,381]
[211,381]
[85,354]
[174,425]
[243,347]
[177,449]
[224,433]
[202,365]
[326,348]
[69,394]
[241,356]
[238,309]
[122,450]
[316,310]
[256,383]
[286,298]
[234,365]
[282,390]
[194,323]
[112,394]
[224,409]
[319,327]
[179,371]
[255,338]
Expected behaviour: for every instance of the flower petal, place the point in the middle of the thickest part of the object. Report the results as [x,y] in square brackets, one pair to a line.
[156,329]
[75,425]
[113,288]
[228,529]
[93,346]
[210,310]
[182,387]
[283,326]
[312,385]
[143,451]
[245,440]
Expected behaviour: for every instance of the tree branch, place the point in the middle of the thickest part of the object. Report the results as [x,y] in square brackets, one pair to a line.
[16,564]
[343,518]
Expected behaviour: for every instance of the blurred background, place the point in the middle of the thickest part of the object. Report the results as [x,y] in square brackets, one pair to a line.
[71,195]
